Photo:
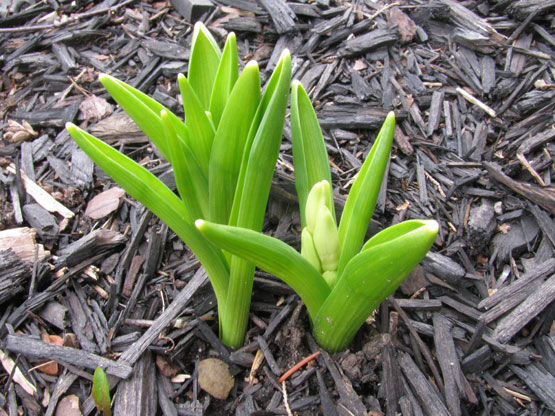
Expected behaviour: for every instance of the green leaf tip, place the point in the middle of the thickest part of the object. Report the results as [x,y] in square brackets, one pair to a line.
[101,392]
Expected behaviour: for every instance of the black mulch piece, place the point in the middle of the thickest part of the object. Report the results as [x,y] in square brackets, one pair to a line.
[471,330]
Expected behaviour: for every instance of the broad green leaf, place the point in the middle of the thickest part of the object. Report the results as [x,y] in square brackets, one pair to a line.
[157,197]
[273,256]
[364,194]
[191,183]
[310,157]
[370,277]
[101,392]
[229,142]
[200,129]
[397,231]
[253,188]
[203,63]
[143,110]
[225,79]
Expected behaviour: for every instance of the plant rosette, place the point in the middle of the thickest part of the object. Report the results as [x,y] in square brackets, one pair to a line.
[340,279]
[223,157]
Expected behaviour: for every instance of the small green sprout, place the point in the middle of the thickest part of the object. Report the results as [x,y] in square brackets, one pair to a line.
[101,392]
[223,157]
[340,279]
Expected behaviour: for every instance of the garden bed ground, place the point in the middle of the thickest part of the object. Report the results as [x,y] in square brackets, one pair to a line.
[471,330]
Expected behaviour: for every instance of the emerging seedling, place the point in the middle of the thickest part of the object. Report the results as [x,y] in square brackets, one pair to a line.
[340,280]
[101,392]
[223,157]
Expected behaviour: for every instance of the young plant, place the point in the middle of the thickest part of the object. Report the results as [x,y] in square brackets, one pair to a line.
[340,280]
[223,157]
[101,392]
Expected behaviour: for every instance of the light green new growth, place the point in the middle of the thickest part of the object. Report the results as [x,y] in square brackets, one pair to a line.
[340,281]
[101,392]
[223,157]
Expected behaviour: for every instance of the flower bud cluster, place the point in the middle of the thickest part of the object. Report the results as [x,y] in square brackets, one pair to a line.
[320,238]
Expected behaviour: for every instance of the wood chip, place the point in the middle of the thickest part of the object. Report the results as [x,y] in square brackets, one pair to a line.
[42,197]
[22,242]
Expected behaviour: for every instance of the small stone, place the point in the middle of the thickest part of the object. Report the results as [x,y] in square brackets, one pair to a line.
[214,378]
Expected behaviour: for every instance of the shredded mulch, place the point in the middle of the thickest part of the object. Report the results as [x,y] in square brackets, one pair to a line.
[89,278]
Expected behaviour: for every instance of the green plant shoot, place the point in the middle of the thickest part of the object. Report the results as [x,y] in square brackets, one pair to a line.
[340,279]
[101,392]
[223,157]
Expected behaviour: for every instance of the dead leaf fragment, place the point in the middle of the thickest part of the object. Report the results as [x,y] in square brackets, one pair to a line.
[15,132]
[104,203]
[166,367]
[68,406]
[214,378]
[50,367]
[359,65]
[95,108]
[405,25]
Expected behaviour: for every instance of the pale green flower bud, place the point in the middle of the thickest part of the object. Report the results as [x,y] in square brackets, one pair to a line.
[320,195]
[330,277]
[308,251]
[326,239]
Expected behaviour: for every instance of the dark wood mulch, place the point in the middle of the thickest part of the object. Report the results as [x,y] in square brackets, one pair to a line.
[469,333]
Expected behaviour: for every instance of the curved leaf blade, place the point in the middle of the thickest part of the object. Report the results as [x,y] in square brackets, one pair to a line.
[143,110]
[370,277]
[157,197]
[363,195]
[203,63]
[189,179]
[229,142]
[253,188]
[225,79]
[310,157]
[273,256]
[200,129]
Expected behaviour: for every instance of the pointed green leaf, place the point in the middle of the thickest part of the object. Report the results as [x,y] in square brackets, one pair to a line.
[203,63]
[253,188]
[370,277]
[229,142]
[400,230]
[262,149]
[143,110]
[310,157]
[273,256]
[189,178]
[157,197]
[101,392]
[225,78]
[364,194]
[199,127]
